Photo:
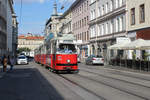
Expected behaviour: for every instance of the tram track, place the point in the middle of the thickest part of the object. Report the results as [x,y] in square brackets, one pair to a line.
[101,98]
[78,85]
[115,87]
[116,79]
[127,75]
[103,83]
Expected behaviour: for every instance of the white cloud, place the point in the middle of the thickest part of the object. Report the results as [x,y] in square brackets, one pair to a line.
[42,1]
[30,1]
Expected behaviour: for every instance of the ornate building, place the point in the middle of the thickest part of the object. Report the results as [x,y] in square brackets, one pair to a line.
[107,22]
[3,26]
[80,19]
[30,41]
[6,27]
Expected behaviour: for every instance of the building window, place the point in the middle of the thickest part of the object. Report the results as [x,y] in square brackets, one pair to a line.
[121,2]
[83,36]
[94,14]
[133,16]
[80,36]
[99,30]
[106,28]
[117,25]
[102,10]
[99,11]
[111,27]
[121,23]
[91,15]
[94,31]
[82,22]
[111,5]
[117,3]
[82,7]
[142,13]
[107,7]
[87,5]
[102,32]
[87,35]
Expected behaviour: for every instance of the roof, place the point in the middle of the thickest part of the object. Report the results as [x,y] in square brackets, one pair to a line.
[31,37]
[21,37]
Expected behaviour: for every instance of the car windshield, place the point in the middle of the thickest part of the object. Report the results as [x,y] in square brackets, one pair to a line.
[66,48]
[21,57]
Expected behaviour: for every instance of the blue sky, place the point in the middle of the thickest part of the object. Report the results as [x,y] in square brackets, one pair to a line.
[35,13]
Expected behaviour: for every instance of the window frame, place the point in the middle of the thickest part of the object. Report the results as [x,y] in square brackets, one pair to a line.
[132,13]
[142,13]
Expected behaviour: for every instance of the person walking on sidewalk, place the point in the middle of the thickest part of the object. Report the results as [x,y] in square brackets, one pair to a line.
[12,62]
[4,62]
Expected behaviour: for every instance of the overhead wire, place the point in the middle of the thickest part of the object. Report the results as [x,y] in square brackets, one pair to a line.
[66,3]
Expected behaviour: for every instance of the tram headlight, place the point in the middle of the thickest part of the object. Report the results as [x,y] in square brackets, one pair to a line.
[68,61]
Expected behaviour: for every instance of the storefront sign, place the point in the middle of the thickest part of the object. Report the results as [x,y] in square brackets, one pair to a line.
[120,40]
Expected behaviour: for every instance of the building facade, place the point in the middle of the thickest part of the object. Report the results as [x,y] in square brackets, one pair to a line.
[53,24]
[6,26]
[80,19]
[107,22]
[66,20]
[3,27]
[14,34]
[138,22]
[10,11]
[30,41]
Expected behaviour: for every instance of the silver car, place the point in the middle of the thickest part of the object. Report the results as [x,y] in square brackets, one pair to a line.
[22,60]
[95,60]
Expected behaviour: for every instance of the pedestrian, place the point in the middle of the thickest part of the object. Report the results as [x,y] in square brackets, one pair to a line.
[4,62]
[12,62]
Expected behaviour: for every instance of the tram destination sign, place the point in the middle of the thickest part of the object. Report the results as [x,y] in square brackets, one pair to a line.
[68,41]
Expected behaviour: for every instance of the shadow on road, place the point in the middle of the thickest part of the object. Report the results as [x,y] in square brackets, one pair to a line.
[27,84]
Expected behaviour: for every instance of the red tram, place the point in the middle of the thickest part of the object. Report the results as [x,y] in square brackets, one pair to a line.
[58,54]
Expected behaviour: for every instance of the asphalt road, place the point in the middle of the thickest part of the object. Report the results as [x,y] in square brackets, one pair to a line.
[34,82]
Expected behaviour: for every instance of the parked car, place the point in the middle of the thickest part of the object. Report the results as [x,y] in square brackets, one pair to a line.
[95,60]
[22,60]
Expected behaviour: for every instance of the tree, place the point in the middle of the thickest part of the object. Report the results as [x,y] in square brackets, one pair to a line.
[25,49]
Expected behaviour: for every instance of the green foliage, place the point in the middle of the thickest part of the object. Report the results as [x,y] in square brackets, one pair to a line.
[25,49]
[146,56]
[133,55]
